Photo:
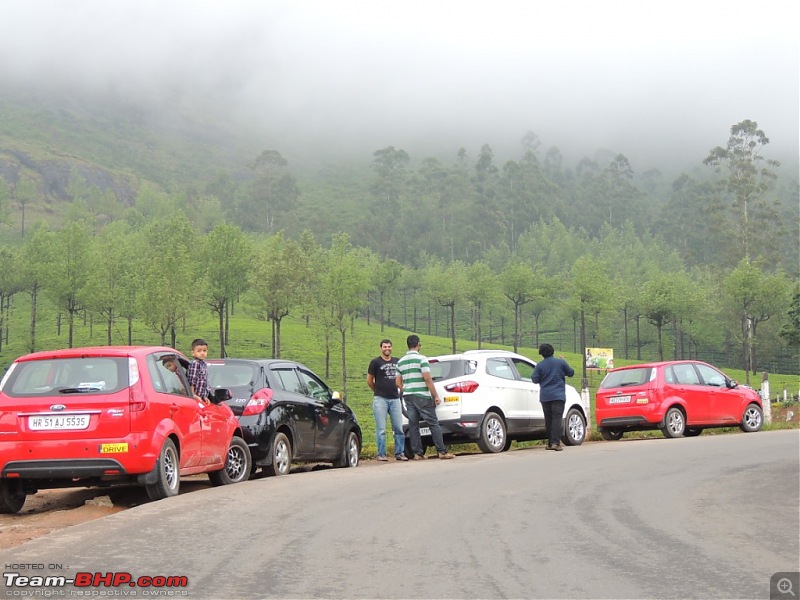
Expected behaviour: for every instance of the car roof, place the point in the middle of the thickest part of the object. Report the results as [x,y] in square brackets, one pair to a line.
[261,362]
[483,353]
[660,363]
[121,351]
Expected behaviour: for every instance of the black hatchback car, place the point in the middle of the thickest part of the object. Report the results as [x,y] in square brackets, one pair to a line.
[287,413]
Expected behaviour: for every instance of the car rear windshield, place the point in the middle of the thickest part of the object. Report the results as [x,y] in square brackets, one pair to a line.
[63,376]
[442,370]
[231,375]
[626,377]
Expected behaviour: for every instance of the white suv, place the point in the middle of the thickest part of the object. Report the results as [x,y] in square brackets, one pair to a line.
[488,398]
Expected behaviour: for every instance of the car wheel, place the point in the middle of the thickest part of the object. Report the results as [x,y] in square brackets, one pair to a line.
[753,418]
[11,496]
[610,435]
[574,428]
[507,445]
[674,423]
[692,431]
[167,468]
[493,433]
[237,464]
[281,456]
[350,452]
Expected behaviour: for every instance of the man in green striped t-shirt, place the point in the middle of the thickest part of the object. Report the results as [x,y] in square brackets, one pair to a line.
[421,398]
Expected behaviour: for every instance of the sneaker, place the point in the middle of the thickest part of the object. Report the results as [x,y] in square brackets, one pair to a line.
[557,448]
[401,457]
[382,458]
[419,457]
[446,455]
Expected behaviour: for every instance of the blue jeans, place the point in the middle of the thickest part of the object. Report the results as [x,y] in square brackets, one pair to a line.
[380,408]
[422,407]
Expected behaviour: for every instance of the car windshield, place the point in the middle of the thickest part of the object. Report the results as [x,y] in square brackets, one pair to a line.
[626,377]
[92,375]
[231,375]
[442,370]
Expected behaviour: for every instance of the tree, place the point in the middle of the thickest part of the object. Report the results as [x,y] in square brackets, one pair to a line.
[343,287]
[171,281]
[5,201]
[279,278]
[755,296]
[746,177]
[481,287]
[518,283]
[659,304]
[23,192]
[272,193]
[590,289]
[790,331]
[71,262]
[36,268]
[226,255]
[446,286]
[385,277]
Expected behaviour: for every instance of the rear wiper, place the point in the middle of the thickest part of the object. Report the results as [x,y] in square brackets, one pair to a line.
[627,383]
[78,390]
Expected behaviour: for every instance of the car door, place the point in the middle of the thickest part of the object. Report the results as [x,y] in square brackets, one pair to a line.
[329,416]
[534,407]
[173,396]
[298,410]
[509,392]
[724,402]
[688,386]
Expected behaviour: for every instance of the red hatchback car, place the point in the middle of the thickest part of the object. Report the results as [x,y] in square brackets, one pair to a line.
[106,415]
[680,398]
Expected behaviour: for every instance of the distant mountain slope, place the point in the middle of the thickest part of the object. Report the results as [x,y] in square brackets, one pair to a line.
[113,144]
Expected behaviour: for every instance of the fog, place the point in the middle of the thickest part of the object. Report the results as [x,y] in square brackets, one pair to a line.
[661,82]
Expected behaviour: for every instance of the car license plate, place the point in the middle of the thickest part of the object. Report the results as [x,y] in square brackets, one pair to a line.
[113,448]
[619,400]
[424,430]
[57,422]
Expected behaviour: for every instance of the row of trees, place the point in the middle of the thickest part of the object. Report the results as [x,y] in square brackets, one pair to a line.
[615,290]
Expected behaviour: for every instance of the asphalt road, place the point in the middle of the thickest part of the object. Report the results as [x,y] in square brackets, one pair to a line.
[706,517]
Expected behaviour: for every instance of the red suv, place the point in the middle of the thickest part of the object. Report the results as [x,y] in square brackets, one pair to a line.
[106,415]
[680,398]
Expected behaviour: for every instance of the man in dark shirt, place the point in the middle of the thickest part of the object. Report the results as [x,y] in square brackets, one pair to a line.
[381,380]
[550,374]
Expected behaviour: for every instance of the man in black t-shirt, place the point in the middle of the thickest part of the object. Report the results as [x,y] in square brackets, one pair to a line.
[386,400]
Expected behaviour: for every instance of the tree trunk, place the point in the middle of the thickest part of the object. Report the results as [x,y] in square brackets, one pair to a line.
[109,325]
[583,338]
[221,315]
[34,294]
[453,325]
[344,361]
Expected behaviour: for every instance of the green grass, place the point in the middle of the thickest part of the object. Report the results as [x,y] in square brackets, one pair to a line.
[250,338]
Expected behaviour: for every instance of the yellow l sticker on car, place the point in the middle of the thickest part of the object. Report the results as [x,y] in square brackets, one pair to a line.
[451,398]
[113,448]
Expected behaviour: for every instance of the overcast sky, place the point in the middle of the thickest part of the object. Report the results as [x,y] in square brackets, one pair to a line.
[657,81]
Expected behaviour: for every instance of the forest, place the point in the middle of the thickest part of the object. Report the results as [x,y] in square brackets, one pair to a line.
[701,264]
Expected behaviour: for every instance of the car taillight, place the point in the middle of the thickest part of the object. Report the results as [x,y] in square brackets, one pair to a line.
[462,387]
[135,399]
[258,403]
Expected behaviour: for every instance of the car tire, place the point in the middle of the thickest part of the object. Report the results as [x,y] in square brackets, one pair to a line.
[674,423]
[493,434]
[11,496]
[610,435]
[351,450]
[507,445]
[281,456]
[692,431]
[752,419]
[574,428]
[238,464]
[168,481]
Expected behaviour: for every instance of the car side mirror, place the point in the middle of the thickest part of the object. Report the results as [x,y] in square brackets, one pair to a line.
[336,397]
[221,395]
[732,383]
